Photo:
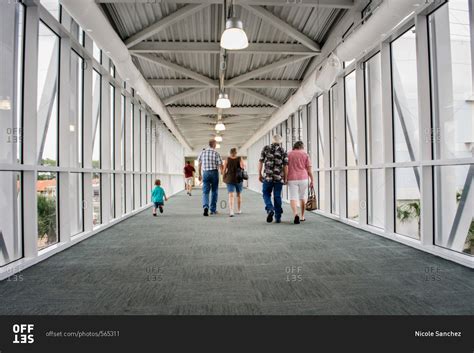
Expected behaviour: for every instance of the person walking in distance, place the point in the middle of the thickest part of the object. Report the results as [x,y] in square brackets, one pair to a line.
[231,177]
[274,162]
[210,163]
[189,177]
[299,170]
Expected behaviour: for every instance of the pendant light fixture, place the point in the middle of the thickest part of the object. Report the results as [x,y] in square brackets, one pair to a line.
[223,101]
[234,36]
[218,138]
[220,126]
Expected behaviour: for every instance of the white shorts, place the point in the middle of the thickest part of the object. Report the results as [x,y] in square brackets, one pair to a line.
[298,189]
[189,181]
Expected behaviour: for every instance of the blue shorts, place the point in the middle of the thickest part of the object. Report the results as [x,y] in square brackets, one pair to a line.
[235,188]
[158,204]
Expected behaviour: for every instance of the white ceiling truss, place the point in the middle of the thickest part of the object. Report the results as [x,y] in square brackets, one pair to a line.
[175,44]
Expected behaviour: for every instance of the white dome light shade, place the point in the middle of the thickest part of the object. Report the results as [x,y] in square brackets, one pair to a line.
[234,36]
[218,138]
[220,126]
[223,101]
[218,146]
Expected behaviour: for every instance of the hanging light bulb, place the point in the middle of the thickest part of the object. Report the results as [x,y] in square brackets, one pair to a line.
[223,101]
[218,146]
[234,36]
[218,138]
[220,126]
[5,103]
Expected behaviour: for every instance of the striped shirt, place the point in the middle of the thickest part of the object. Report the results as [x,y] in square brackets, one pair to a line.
[210,159]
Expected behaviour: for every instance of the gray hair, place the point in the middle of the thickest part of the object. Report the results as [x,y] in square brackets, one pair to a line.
[276,138]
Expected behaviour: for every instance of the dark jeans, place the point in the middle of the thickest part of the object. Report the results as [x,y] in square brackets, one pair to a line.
[275,188]
[210,181]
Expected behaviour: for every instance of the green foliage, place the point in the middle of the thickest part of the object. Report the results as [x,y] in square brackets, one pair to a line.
[409,211]
[46,216]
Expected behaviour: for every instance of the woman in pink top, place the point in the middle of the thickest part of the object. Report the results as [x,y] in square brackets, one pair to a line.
[299,169]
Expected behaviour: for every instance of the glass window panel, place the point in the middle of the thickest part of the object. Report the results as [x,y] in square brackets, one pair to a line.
[96,118]
[46,194]
[405,98]
[11,77]
[52,6]
[112,126]
[122,185]
[353,194]
[454,205]
[407,202]
[76,203]
[351,119]
[11,244]
[452,80]
[321,190]
[96,52]
[335,192]
[96,199]
[76,109]
[321,131]
[373,99]
[122,132]
[112,195]
[47,108]
[333,134]
[376,197]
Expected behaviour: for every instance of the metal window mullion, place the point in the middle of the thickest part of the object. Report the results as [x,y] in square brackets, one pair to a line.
[327,148]
[340,155]
[387,113]
[362,141]
[424,113]
[64,139]
[117,155]
[30,93]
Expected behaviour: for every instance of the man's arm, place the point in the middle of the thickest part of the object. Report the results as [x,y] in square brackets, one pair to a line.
[285,171]
[200,171]
[260,167]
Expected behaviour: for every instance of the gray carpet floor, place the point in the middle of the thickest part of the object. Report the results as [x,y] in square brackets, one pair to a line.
[183,263]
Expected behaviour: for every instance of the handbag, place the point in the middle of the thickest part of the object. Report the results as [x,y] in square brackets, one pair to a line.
[311,204]
[242,175]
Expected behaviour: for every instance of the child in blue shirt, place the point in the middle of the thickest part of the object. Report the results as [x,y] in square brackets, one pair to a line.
[158,197]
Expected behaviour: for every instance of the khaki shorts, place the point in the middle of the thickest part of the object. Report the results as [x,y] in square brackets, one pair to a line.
[189,181]
[298,190]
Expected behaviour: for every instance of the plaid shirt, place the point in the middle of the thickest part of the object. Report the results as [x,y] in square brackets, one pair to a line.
[210,159]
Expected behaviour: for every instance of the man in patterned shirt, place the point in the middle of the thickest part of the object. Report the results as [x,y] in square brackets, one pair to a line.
[274,160]
[210,162]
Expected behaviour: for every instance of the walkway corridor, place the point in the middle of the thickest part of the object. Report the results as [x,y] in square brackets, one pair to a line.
[183,263]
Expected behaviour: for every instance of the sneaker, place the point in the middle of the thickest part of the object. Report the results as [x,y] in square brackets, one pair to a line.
[154,214]
[277,220]
[231,213]
[206,212]
[239,212]
[214,212]
[161,209]
[270,217]
[297,219]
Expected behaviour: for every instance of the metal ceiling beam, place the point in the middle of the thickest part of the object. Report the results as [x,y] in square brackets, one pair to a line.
[185,94]
[259,96]
[340,4]
[286,28]
[214,48]
[175,67]
[163,23]
[263,70]
[213,110]
[189,83]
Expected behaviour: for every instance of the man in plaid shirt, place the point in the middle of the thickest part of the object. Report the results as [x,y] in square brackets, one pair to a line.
[210,162]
